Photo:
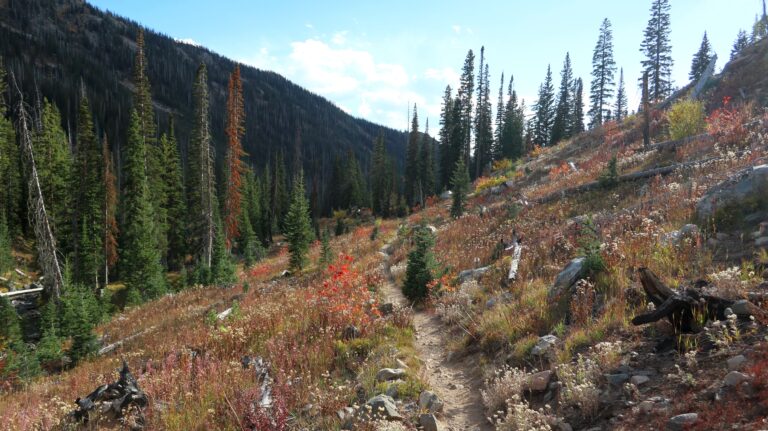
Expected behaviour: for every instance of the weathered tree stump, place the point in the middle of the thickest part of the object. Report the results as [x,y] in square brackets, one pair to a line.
[687,310]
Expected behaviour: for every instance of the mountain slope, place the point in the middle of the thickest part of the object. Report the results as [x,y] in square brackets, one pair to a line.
[51,45]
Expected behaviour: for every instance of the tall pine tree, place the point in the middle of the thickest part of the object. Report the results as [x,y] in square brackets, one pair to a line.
[464,99]
[657,48]
[577,122]
[512,145]
[561,128]
[88,208]
[11,202]
[544,112]
[140,266]
[620,109]
[426,167]
[110,211]
[496,152]
[603,70]
[701,59]
[460,181]
[742,41]
[298,226]
[412,161]
[174,207]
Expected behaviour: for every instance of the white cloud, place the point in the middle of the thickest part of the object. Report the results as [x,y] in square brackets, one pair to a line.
[188,41]
[445,75]
[456,29]
[339,38]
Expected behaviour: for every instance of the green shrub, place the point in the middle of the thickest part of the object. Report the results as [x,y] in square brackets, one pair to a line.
[589,247]
[609,178]
[686,118]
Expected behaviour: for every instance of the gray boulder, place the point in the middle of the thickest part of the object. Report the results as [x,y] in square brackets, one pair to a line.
[748,185]
[429,422]
[383,406]
[735,363]
[387,374]
[568,276]
[735,378]
[429,401]
[680,422]
[472,274]
[544,345]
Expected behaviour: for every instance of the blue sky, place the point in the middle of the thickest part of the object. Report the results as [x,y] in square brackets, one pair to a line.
[373,59]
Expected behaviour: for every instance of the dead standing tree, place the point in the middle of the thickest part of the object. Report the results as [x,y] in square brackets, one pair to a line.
[46,243]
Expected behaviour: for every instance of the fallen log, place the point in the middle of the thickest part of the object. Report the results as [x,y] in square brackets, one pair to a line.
[687,310]
[517,252]
[22,292]
[112,347]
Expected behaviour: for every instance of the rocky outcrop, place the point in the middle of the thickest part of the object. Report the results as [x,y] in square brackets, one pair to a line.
[742,194]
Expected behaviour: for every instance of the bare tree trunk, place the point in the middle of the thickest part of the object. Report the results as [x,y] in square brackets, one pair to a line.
[646,113]
[46,243]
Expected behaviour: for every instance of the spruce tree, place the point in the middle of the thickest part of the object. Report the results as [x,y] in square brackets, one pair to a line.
[379,181]
[657,48]
[140,266]
[496,151]
[6,258]
[174,206]
[447,125]
[412,160]
[222,271]
[464,99]
[426,166]
[483,120]
[11,202]
[54,168]
[603,70]
[298,226]
[110,211]
[577,123]
[511,145]
[561,128]
[621,99]
[80,312]
[701,59]
[742,41]
[89,192]
[421,264]
[544,112]
[201,191]
[460,182]
[280,198]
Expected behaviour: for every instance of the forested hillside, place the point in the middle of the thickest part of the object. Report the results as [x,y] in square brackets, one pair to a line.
[54,46]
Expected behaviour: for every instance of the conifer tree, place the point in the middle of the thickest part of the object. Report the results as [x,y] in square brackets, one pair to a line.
[426,167]
[421,263]
[447,126]
[110,211]
[577,123]
[280,198]
[496,151]
[742,41]
[54,169]
[298,226]
[511,145]
[657,49]
[235,166]
[544,112]
[603,71]
[464,99]
[460,182]
[483,125]
[6,259]
[222,269]
[201,191]
[561,128]
[412,160]
[10,166]
[379,181]
[621,99]
[174,206]
[89,212]
[140,266]
[701,59]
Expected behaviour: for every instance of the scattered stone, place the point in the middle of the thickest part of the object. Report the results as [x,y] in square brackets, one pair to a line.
[617,379]
[383,406]
[744,308]
[387,374]
[539,382]
[224,314]
[346,416]
[429,401]
[509,183]
[690,231]
[472,274]
[646,406]
[429,422]
[735,378]
[680,422]
[393,390]
[568,276]
[736,362]
[638,380]
[762,242]
[564,426]
[544,345]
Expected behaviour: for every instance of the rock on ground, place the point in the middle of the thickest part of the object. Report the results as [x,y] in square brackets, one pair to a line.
[387,374]
[568,276]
